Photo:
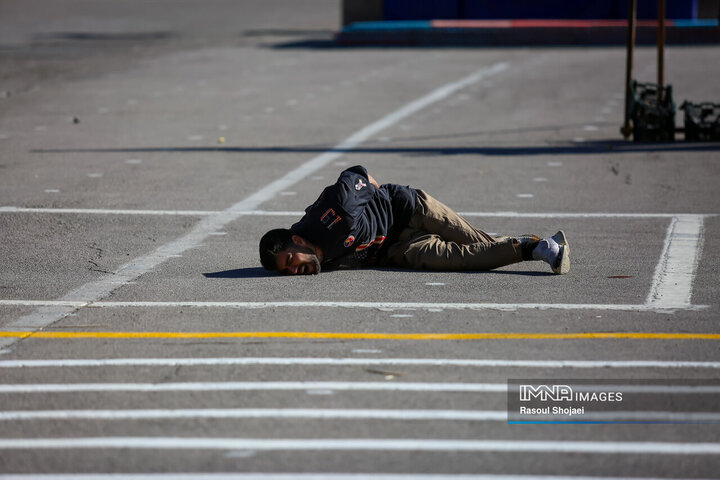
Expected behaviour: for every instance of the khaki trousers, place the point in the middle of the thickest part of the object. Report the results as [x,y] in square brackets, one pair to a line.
[437,238]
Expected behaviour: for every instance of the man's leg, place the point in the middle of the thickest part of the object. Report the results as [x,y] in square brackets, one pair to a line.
[427,251]
[437,238]
[433,216]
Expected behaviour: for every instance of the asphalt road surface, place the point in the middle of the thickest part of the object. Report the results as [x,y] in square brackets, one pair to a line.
[146,146]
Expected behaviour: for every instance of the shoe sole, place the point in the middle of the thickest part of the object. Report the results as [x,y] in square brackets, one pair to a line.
[563,264]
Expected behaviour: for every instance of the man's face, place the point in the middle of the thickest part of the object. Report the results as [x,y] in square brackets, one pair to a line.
[298,260]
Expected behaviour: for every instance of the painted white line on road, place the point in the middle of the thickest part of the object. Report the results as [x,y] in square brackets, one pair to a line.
[388,306]
[259,413]
[368,444]
[675,272]
[298,213]
[96,290]
[252,386]
[348,414]
[43,303]
[579,215]
[307,476]
[338,362]
[31,388]
[106,211]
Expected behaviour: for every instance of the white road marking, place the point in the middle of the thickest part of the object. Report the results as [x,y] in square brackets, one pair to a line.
[337,362]
[96,290]
[252,386]
[525,195]
[581,215]
[368,444]
[320,392]
[345,414]
[52,190]
[298,213]
[104,211]
[32,388]
[258,413]
[675,272]
[384,306]
[303,476]
[554,164]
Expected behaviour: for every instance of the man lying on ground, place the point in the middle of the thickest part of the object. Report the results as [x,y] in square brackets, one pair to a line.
[358,223]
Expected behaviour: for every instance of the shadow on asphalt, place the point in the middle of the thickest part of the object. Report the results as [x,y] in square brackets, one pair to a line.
[260,272]
[252,272]
[467,272]
[595,147]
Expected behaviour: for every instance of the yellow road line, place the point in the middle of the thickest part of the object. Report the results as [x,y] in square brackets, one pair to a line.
[363,336]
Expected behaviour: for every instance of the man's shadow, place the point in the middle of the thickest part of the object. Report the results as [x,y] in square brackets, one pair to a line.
[251,272]
[260,272]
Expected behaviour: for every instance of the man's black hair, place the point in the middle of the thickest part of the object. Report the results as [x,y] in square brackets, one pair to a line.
[271,243]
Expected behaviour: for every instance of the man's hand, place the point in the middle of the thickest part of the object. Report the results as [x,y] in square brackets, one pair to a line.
[372,181]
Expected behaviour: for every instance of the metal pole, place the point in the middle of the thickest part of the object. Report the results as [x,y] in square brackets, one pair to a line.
[661,48]
[626,129]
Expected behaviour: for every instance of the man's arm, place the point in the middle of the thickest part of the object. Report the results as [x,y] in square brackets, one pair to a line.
[360,170]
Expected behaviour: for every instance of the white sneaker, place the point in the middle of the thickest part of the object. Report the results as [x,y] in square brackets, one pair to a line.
[562,264]
[555,251]
[547,250]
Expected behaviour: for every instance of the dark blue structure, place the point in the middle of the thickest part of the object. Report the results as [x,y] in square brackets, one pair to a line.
[532,9]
